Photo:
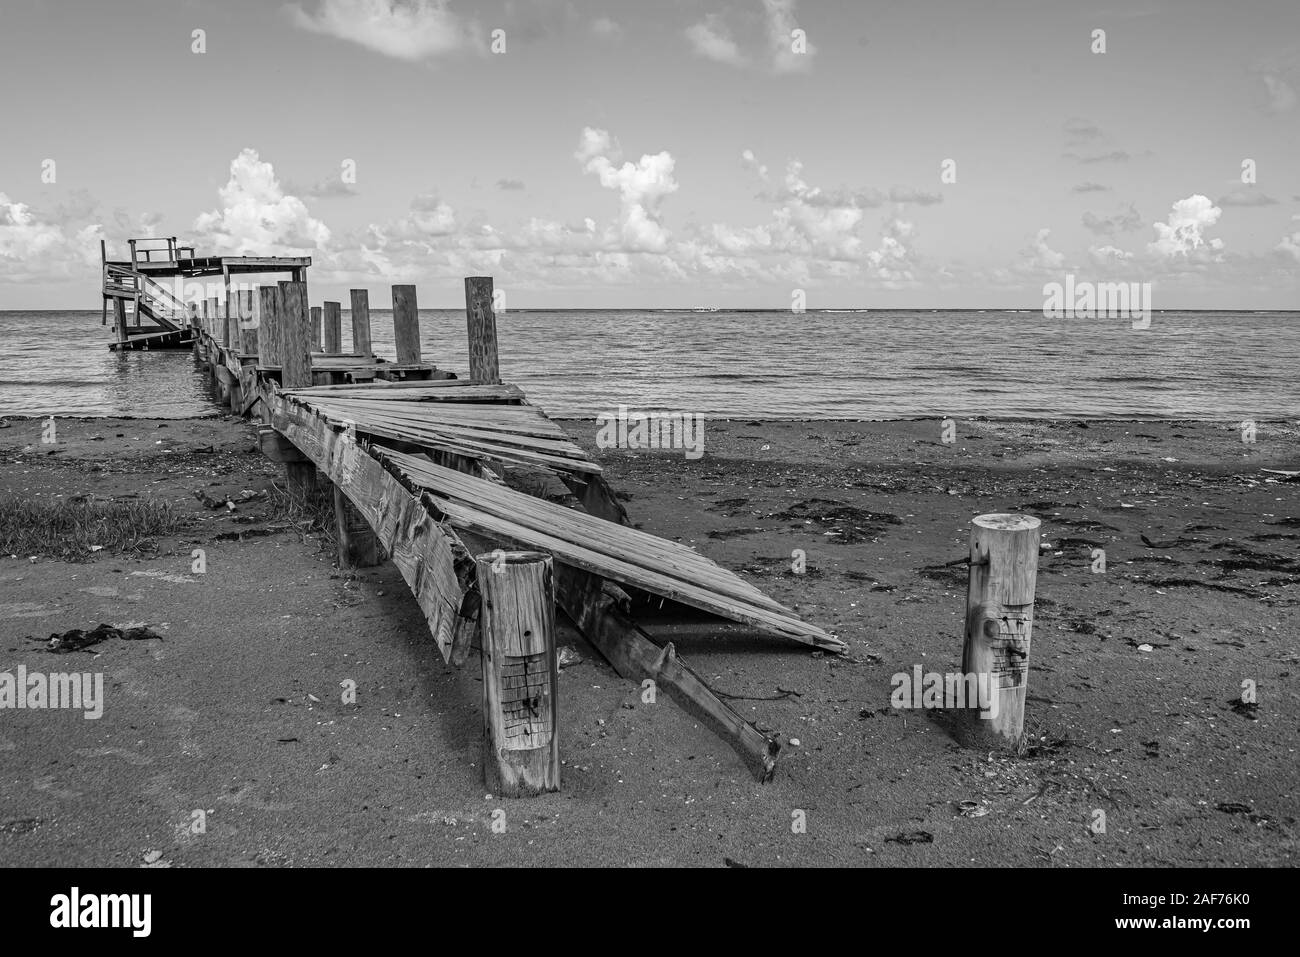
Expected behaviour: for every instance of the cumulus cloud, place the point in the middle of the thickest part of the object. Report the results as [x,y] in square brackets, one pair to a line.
[711,39]
[1183,233]
[893,261]
[405,29]
[257,217]
[1290,245]
[1039,256]
[751,162]
[642,187]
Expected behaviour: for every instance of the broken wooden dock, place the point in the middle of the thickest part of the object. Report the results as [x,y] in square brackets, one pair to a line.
[438,470]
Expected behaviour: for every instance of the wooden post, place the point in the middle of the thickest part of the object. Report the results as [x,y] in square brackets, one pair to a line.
[358,547]
[228,334]
[295,370]
[268,326]
[315,329]
[295,336]
[520,673]
[230,328]
[482,325]
[119,320]
[214,313]
[247,323]
[361,323]
[406,325]
[1000,618]
[333,328]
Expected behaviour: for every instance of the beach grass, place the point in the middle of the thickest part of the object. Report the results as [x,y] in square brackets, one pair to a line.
[312,516]
[74,529]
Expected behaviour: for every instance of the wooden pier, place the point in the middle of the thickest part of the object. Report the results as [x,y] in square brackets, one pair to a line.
[440,472]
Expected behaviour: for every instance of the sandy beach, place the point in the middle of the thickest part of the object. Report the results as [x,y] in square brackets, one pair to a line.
[1134,690]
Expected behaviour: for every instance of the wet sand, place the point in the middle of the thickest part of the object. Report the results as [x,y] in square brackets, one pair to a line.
[1134,689]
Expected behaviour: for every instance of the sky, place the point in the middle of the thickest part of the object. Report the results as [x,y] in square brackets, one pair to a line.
[746,154]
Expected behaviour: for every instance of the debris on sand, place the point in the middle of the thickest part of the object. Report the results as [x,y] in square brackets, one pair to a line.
[1247,709]
[848,523]
[911,837]
[78,639]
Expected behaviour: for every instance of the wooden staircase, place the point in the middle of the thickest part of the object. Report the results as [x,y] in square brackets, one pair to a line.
[161,320]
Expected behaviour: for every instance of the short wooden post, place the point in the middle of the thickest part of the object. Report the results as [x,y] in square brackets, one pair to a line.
[1000,618]
[295,336]
[230,328]
[207,305]
[268,326]
[315,329]
[361,345]
[520,673]
[214,313]
[333,322]
[358,547]
[481,322]
[406,325]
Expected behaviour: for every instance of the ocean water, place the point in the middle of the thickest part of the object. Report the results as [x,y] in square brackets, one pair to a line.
[831,364]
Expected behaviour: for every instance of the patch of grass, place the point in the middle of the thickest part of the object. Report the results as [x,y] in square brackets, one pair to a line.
[74,529]
[311,517]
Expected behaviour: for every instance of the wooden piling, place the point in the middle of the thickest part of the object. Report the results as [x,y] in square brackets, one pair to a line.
[361,345]
[358,547]
[999,619]
[333,328]
[268,326]
[295,370]
[295,336]
[406,325]
[520,673]
[228,335]
[481,323]
[119,318]
[315,329]
[248,323]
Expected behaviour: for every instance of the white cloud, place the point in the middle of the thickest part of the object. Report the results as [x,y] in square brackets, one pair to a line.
[1184,231]
[641,185]
[1281,98]
[780,26]
[1040,257]
[1291,244]
[405,29]
[711,39]
[34,249]
[257,217]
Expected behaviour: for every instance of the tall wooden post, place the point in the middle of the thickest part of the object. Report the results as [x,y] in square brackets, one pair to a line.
[207,306]
[1000,619]
[333,328]
[295,370]
[520,673]
[228,332]
[214,313]
[315,329]
[406,325]
[361,345]
[295,336]
[481,322]
[268,326]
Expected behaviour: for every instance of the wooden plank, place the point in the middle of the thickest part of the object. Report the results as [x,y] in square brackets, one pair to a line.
[605,566]
[268,326]
[599,612]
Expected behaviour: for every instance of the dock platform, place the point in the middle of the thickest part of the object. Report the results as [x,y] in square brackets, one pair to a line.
[440,474]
